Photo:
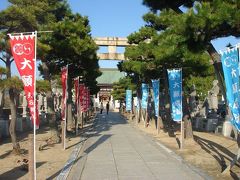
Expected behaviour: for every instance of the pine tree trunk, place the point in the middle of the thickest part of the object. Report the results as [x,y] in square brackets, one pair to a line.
[167,102]
[13,109]
[187,119]
[139,96]
[51,116]
[70,124]
[12,127]
[217,67]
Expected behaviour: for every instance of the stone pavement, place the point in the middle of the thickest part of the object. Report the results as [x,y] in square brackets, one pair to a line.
[116,150]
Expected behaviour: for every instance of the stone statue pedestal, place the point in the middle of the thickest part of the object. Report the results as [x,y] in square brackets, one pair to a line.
[199,123]
[4,126]
[42,118]
[29,122]
[19,124]
[211,124]
[227,129]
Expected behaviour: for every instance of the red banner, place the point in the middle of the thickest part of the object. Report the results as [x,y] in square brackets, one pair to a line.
[85,99]
[23,51]
[81,96]
[76,87]
[64,91]
[88,99]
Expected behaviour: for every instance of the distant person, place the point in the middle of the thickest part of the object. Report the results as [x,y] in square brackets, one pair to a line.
[107,107]
[101,107]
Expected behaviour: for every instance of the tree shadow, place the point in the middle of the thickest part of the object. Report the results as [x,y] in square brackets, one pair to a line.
[69,164]
[28,129]
[234,175]
[23,136]
[97,143]
[76,144]
[169,126]
[54,175]
[101,124]
[64,168]
[218,152]
[7,153]
[178,142]
[17,172]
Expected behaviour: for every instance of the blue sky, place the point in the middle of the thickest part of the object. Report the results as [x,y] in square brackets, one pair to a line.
[112,18]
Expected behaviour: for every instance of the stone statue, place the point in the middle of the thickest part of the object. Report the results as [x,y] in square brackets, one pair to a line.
[40,102]
[204,108]
[212,96]
[1,102]
[24,105]
[1,97]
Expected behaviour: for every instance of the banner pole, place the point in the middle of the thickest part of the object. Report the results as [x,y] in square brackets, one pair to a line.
[65,114]
[31,32]
[146,115]
[34,97]
[182,122]
[131,115]
[77,105]
[158,120]
[182,134]
[158,117]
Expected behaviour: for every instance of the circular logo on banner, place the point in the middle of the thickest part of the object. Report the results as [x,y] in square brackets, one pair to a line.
[18,49]
[27,48]
[230,61]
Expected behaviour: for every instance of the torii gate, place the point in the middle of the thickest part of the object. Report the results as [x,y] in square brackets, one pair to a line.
[112,43]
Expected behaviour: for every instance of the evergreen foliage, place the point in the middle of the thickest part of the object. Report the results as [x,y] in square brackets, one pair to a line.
[120,87]
[175,39]
[43,86]
[70,43]
[190,26]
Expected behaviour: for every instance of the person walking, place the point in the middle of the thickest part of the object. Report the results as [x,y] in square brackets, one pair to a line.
[107,107]
[101,107]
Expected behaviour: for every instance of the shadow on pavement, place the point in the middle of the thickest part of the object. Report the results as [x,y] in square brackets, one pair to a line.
[220,153]
[7,153]
[97,143]
[103,122]
[76,144]
[17,172]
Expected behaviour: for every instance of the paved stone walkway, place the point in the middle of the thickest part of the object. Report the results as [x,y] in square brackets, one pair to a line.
[116,150]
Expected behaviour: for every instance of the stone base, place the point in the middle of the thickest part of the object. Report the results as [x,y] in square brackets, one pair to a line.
[227,129]
[211,125]
[199,123]
[219,129]
[4,128]
[19,124]
[42,118]
[29,123]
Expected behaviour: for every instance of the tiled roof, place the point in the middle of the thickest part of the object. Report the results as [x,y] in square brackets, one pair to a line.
[109,76]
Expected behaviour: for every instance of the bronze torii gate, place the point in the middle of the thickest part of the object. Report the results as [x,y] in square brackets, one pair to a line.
[112,43]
